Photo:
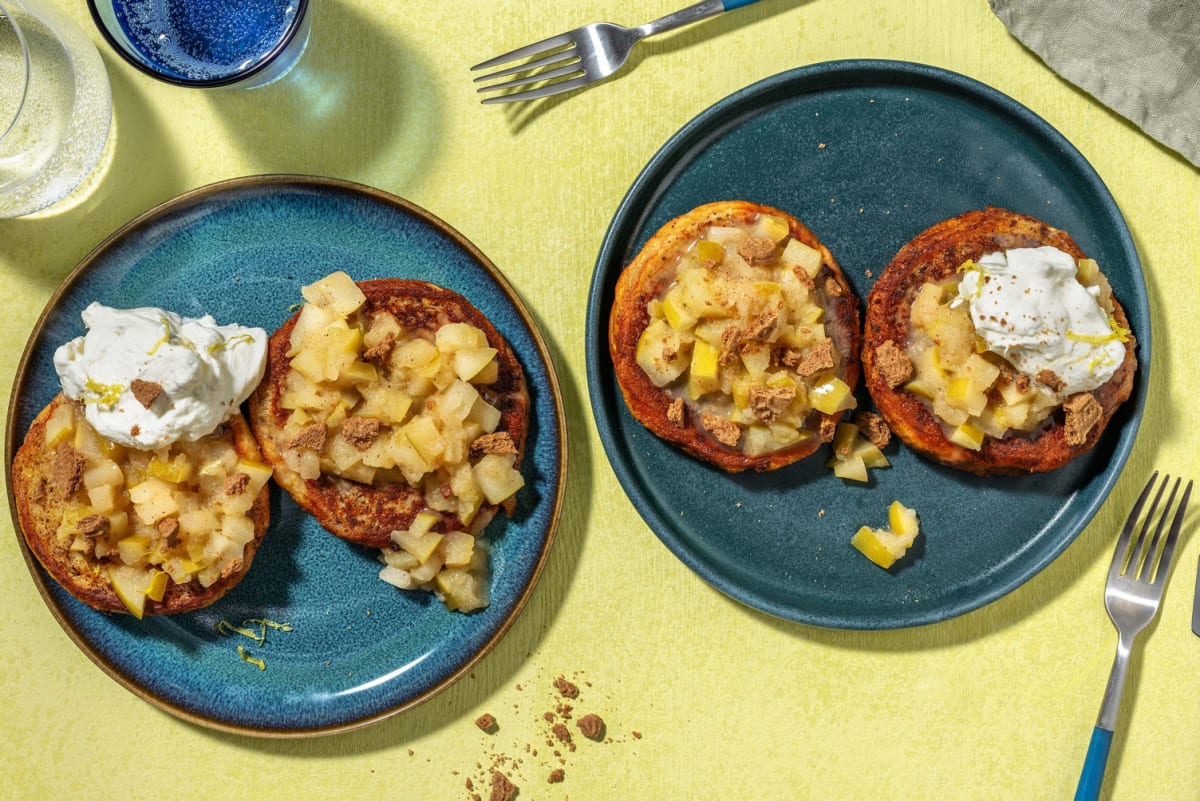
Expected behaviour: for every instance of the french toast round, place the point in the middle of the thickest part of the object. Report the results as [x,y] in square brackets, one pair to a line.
[62,473]
[735,337]
[1021,423]
[343,465]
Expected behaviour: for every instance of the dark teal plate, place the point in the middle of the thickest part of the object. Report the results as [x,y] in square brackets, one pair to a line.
[360,650]
[868,154]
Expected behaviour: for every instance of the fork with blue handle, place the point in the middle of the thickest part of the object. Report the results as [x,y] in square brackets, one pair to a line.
[1132,595]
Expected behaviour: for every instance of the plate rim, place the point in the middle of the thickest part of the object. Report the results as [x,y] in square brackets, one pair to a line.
[661,169]
[232,186]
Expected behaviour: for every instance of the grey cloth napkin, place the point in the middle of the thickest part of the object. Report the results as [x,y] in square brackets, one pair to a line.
[1141,58]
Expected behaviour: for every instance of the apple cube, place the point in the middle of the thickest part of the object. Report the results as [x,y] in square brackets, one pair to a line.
[461,591]
[61,425]
[310,320]
[497,477]
[661,353]
[152,500]
[130,585]
[453,337]
[336,292]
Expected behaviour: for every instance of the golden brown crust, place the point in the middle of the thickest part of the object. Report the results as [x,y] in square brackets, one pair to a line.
[935,255]
[365,514]
[646,277]
[40,507]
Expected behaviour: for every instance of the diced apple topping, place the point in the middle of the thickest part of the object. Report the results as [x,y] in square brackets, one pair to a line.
[853,453]
[739,322]
[885,546]
[453,564]
[974,393]
[378,404]
[154,519]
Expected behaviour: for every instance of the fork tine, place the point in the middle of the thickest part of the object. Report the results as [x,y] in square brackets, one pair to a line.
[1121,552]
[559,56]
[529,80]
[535,49]
[541,91]
[1164,564]
[1151,547]
[1145,544]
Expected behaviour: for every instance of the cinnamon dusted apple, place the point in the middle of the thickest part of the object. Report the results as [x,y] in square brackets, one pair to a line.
[145,532]
[396,414]
[734,336]
[994,345]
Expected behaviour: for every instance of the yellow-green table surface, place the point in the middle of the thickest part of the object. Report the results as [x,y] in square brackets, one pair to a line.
[729,703]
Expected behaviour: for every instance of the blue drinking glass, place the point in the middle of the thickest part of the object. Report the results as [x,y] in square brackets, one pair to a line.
[206,43]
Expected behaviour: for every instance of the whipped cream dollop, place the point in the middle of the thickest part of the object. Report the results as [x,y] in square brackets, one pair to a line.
[149,377]
[1030,308]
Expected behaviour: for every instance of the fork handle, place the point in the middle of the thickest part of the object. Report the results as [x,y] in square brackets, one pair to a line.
[1094,764]
[693,13]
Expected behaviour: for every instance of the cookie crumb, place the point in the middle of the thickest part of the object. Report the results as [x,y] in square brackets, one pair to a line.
[145,391]
[502,788]
[874,427]
[566,688]
[894,365]
[486,723]
[556,776]
[592,726]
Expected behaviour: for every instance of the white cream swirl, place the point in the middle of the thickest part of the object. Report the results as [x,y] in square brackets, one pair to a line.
[1030,308]
[200,371]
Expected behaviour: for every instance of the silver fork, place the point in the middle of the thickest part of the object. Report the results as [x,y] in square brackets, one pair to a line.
[583,56]
[1139,571]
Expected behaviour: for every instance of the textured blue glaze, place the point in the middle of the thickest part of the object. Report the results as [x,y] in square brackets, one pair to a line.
[360,649]
[204,42]
[867,154]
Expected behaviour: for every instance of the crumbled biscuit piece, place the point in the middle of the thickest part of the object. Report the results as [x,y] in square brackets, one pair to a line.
[731,340]
[874,428]
[496,442]
[827,428]
[502,788]
[820,357]
[758,251]
[145,391]
[1083,411]
[381,350]
[311,436]
[768,403]
[361,431]
[592,726]
[723,430]
[93,525]
[1051,379]
[803,277]
[1023,383]
[675,413]
[67,469]
[790,357]
[764,326]
[486,723]
[168,527]
[893,364]
[236,484]
[565,688]
[556,776]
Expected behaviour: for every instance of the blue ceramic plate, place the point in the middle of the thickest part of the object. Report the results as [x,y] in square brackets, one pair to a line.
[359,649]
[867,154]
